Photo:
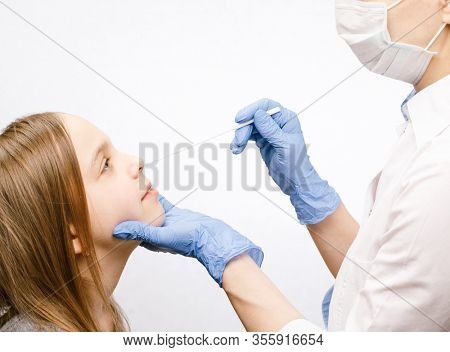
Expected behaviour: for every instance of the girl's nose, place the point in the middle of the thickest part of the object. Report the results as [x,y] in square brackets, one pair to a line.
[136,168]
[141,166]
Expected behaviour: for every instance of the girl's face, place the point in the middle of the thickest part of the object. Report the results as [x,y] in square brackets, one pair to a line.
[115,186]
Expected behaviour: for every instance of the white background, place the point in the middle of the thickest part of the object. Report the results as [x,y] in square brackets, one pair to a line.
[195,63]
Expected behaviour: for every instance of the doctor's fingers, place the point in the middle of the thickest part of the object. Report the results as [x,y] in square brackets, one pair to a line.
[249,111]
[151,235]
[254,136]
[268,128]
[241,137]
[130,230]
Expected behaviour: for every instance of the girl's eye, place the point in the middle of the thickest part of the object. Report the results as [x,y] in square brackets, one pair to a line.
[106,165]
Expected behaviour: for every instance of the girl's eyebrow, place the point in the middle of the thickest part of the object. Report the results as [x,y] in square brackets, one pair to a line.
[97,151]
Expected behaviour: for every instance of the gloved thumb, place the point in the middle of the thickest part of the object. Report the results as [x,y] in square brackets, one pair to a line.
[165,203]
[268,128]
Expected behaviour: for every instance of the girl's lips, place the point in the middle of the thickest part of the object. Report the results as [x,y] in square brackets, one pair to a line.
[148,187]
[151,193]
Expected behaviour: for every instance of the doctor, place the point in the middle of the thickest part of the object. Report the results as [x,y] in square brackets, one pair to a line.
[392,271]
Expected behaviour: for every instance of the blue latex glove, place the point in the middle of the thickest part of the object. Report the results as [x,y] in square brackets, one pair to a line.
[192,234]
[283,149]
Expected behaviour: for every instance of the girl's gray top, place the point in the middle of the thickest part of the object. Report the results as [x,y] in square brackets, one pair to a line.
[22,323]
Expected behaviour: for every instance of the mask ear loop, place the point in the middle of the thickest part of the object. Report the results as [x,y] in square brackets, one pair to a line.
[394,4]
[438,33]
[436,36]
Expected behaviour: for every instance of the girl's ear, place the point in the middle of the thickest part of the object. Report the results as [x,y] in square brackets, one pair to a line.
[75,241]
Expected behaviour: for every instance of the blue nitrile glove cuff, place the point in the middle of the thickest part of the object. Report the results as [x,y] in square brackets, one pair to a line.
[215,257]
[314,205]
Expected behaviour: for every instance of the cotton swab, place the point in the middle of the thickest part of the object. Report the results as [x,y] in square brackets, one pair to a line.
[271,112]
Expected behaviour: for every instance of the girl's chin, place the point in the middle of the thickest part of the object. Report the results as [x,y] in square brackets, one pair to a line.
[159,221]
[158,216]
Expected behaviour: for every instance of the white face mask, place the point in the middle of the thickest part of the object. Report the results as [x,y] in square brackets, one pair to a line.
[363,25]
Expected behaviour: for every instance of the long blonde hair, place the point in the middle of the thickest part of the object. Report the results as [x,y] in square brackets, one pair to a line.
[41,195]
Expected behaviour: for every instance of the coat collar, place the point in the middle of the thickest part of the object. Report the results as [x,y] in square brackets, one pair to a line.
[428,110]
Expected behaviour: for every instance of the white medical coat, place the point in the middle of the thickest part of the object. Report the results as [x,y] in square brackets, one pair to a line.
[396,276]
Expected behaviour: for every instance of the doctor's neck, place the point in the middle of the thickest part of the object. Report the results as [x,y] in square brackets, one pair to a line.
[440,64]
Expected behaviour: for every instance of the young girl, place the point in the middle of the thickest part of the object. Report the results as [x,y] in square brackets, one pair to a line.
[63,189]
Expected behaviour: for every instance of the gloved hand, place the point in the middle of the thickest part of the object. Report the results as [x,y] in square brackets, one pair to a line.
[192,234]
[283,150]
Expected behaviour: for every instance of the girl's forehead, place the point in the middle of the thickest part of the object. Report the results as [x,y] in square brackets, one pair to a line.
[76,124]
[86,139]
[81,130]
